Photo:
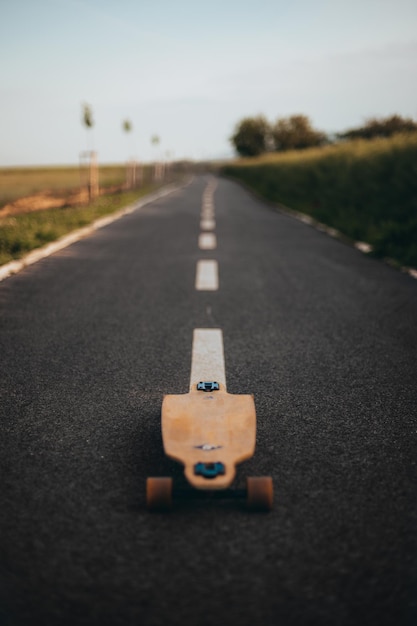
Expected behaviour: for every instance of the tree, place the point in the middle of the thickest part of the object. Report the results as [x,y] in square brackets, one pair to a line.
[251,136]
[88,121]
[131,164]
[295,133]
[381,127]
[87,115]
[158,173]
[127,126]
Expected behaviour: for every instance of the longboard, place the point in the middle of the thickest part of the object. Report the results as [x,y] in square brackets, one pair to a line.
[209,431]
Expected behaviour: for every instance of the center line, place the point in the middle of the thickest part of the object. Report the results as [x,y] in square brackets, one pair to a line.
[207,276]
[207,241]
[207,362]
[206,224]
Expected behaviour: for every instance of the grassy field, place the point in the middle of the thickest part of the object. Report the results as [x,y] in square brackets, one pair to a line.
[25,231]
[365,189]
[17,182]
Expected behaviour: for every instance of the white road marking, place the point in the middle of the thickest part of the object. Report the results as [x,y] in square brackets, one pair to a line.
[207,209]
[212,185]
[207,241]
[207,224]
[207,276]
[207,361]
[363,247]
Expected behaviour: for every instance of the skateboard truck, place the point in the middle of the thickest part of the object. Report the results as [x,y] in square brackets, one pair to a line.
[209,470]
[208,386]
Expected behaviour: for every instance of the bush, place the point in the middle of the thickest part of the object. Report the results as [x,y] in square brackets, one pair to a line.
[365,189]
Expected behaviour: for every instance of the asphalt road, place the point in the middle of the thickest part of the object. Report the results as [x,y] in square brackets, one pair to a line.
[90,340]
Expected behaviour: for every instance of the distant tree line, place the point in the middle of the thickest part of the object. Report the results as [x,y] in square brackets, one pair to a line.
[384,127]
[255,135]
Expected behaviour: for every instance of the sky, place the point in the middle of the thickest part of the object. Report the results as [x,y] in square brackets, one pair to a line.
[189,71]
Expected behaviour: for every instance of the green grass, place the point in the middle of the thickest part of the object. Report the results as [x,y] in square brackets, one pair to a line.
[26,231]
[365,189]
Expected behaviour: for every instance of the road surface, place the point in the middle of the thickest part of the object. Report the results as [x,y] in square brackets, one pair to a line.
[93,336]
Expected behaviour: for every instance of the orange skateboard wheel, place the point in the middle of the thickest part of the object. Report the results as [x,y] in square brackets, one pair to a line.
[259,493]
[159,494]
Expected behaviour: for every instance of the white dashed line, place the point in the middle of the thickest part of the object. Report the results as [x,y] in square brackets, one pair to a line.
[207,276]
[207,224]
[207,362]
[207,241]
[207,211]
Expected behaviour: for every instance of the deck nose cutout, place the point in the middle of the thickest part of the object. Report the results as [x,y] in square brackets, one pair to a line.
[208,386]
[209,470]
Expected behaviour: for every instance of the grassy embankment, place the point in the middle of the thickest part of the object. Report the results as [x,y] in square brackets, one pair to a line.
[367,190]
[17,182]
[23,232]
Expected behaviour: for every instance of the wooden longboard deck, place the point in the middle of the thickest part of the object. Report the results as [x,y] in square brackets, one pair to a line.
[209,432]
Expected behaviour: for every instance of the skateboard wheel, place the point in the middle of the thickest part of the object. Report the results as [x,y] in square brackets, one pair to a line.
[159,494]
[259,493]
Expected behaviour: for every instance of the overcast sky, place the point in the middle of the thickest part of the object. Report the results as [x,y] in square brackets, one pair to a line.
[188,71]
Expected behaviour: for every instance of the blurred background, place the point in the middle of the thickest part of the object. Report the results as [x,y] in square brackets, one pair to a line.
[182,74]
